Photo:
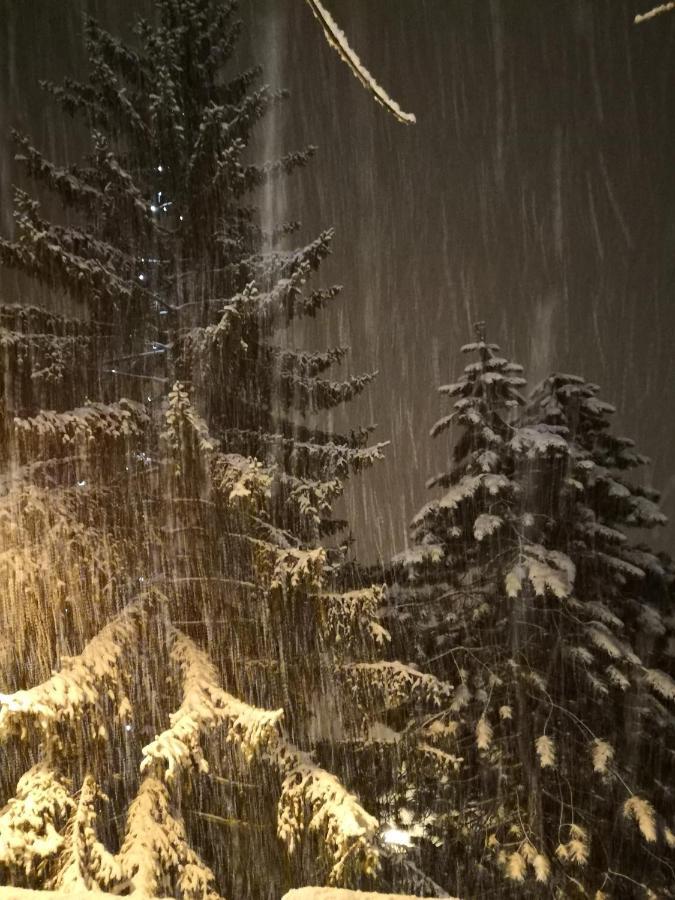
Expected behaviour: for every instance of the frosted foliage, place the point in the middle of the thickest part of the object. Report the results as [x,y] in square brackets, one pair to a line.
[355,612]
[467,488]
[31,822]
[642,813]
[397,683]
[79,684]
[545,748]
[545,570]
[84,862]
[314,499]
[661,683]
[155,848]
[296,567]
[170,434]
[525,578]
[418,554]
[486,525]
[538,441]
[205,705]
[606,641]
[237,479]
[40,531]
[277,713]
[602,755]
[241,479]
[86,424]
[576,849]
[155,854]
[183,423]
[348,831]
[484,733]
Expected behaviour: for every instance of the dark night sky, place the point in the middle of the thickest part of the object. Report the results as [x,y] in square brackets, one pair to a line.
[537,191]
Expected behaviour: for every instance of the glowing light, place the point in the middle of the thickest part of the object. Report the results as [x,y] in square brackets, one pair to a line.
[397,837]
[160,169]
[127,727]
[141,277]
[153,208]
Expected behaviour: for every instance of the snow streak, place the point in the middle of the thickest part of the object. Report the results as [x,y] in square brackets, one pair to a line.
[664,7]
[338,40]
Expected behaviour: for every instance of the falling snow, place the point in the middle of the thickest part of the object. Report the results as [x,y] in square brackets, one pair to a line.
[279,616]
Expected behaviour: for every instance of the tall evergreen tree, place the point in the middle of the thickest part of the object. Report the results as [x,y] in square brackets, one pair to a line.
[166,507]
[530,592]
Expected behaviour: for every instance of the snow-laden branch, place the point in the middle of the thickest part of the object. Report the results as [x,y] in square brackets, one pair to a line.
[338,40]
[397,683]
[30,822]
[83,854]
[80,682]
[155,856]
[348,830]
[205,706]
[652,13]
[355,612]
[86,424]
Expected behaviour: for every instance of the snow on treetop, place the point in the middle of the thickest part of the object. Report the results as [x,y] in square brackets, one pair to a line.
[478,345]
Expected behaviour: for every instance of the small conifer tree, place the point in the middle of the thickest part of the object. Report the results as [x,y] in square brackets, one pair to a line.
[532,596]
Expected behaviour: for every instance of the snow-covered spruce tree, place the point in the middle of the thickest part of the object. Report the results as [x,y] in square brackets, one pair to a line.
[525,586]
[166,504]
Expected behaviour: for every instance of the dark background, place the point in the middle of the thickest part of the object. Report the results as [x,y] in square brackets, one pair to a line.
[536,191]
